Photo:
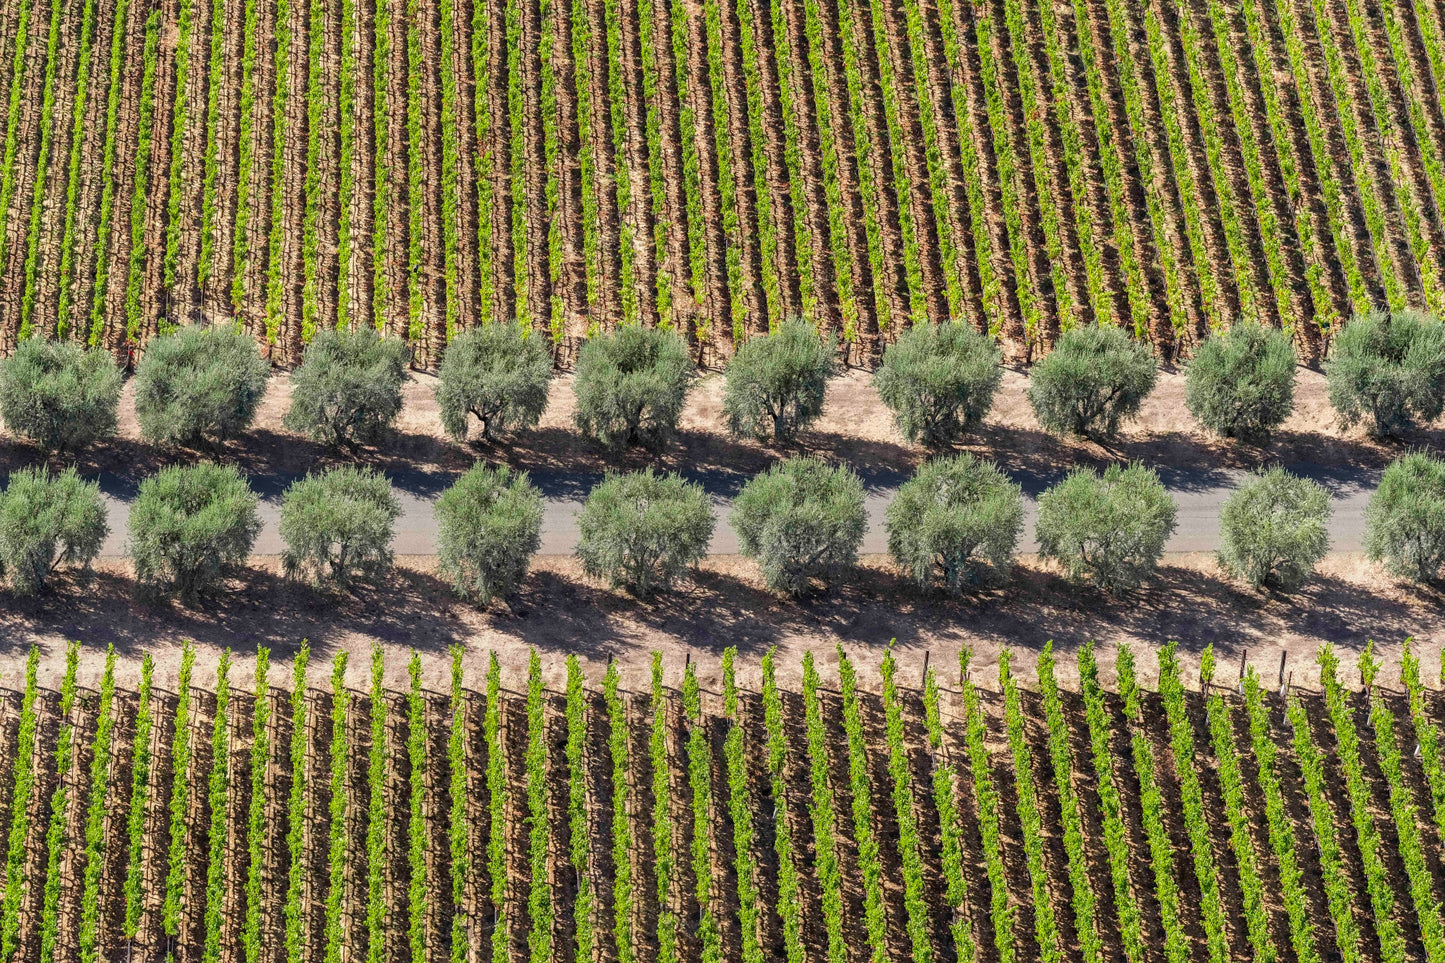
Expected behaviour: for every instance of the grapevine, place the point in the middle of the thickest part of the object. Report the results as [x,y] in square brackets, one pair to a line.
[180,830]
[339,844]
[219,797]
[539,900]
[60,802]
[257,828]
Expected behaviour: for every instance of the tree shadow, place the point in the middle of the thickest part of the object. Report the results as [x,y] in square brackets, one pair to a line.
[256,607]
[556,614]
[721,604]
[1196,607]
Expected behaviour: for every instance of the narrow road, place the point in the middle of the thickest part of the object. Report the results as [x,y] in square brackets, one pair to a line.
[1199,495]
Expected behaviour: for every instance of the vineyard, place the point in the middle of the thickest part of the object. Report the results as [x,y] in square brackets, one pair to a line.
[934,818]
[714,166]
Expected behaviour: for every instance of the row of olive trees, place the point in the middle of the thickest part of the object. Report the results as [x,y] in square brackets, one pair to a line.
[201,386]
[954,526]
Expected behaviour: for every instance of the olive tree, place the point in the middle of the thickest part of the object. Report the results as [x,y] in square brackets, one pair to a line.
[1388,370]
[190,527]
[499,374]
[802,519]
[489,526]
[776,382]
[939,381]
[337,526]
[1241,383]
[956,523]
[642,530]
[59,395]
[1405,519]
[347,390]
[1274,529]
[1108,528]
[47,521]
[630,386]
[199,384]
[1095,377]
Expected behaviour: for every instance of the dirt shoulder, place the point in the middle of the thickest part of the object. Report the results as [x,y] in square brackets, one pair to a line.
[855,428]
[560,612]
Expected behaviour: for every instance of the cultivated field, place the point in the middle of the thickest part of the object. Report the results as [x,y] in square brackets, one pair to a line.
[857,815]
[432,164]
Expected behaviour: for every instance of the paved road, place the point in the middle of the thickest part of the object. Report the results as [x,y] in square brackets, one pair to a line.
[1199,495]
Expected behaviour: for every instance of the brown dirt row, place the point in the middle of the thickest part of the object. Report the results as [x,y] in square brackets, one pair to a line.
[9,25]
[436,817]
[723,851]
[1259,830]
[255,219]
[397,870]
[78,284]
[563,882]
[236,847]
[921,762]
[855,932]
[518,870]
[1051,813]
[1323,733]
[226,146]
[358,793]
[190,111]
[1141,873]
[600,795]
[684,886]
[314,730]
[798,793]
[1419,788]
[357,268]
[51,223]
[25,141]
[114,842]
[70,859]
[1379,790]
[645,899]
[324,181]
[764,828]
[292,141]
[1085,786]
[885,825]
[1306,844]
[1019,883]
[117,233]
[9,748]
[392,180]
[1226,866]
[1156,731]
[188,940]
[432,270]
[473,913]
[153,295]
[275,851]
[34,856]
[975,870]
[1056,860]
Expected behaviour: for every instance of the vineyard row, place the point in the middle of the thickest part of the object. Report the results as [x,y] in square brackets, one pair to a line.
[717,165]
[933,818]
